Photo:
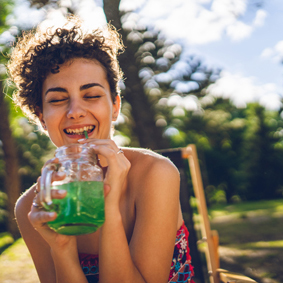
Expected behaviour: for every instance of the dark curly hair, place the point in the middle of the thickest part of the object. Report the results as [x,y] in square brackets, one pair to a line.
[38,53]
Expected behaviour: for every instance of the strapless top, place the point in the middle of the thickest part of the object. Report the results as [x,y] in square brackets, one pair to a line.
[181,269]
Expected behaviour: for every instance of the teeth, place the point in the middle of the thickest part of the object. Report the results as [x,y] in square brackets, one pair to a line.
[79,131]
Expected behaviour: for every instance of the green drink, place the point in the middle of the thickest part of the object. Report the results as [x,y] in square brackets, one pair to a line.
[81,211]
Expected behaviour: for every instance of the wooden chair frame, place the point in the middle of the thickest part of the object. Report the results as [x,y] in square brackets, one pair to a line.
[216,274]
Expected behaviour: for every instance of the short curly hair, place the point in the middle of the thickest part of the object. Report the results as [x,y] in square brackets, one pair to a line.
[37,53]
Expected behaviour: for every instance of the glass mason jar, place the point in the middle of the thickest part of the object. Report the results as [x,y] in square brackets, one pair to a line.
[82,210]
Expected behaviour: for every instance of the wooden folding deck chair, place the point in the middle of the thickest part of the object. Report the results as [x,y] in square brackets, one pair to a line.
[216,274]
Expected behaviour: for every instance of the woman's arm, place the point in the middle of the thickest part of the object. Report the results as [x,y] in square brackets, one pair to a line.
[149,255]
[38,248]
[55,256]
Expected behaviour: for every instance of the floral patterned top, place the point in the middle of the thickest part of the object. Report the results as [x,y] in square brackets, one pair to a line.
[181,269]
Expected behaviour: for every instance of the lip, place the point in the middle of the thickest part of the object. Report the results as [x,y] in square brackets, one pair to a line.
[77,136]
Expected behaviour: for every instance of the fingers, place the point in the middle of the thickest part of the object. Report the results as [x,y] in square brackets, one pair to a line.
[120,151]
[118,167]
[38,216]
[49,174]
[56,176]
[104,147]
[108,149]
[39,198]
[96,142]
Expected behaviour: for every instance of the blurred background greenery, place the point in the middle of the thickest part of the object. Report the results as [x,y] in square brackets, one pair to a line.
[240,149]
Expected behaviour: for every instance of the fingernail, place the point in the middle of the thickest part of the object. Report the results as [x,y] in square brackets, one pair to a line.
[51,214]
[61,192]
[80,140]
[61,174]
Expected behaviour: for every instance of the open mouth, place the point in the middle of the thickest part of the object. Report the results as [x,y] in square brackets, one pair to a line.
[79,131]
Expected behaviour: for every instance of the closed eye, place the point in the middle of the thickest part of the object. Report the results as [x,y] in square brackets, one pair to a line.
[57,100]
[92,96]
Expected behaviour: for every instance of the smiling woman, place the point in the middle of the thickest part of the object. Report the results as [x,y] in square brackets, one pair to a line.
[45,52]
[78,98]
[67,81]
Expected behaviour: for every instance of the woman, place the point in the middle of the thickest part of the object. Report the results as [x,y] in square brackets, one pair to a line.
[67,79]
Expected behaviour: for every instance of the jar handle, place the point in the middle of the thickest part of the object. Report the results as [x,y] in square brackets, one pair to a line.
[45,187]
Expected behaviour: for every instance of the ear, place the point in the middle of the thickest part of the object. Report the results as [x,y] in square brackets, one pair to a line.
[40,117]
[116,108]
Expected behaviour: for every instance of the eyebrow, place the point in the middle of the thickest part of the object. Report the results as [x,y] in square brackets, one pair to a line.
[83,87]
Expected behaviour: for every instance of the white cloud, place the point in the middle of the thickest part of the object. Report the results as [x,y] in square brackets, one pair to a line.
[91,13]
[238,31]
[53,18]
[6,38]
[279,47]
[260,18]
[24,16]
[130,5]
[242,90]
[227,8]
[267,53]
[192,20]
[275,53]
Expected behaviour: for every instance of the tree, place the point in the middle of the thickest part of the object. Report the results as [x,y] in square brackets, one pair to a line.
[149,135]
[12,184]
[263,153]
[143,114]
[147,52]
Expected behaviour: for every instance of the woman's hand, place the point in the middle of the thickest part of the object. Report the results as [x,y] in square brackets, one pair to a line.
[117,171]
[39,217]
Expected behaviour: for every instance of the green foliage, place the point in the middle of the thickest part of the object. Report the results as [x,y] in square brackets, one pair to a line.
[34,150]
[6,7]
[3,211]
[166,73]
[263,156]
[240,150]
[6,240]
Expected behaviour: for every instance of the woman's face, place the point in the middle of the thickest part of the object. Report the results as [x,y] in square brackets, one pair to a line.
[78,98]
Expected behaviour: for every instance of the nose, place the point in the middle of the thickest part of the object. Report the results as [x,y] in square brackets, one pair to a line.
[76,110]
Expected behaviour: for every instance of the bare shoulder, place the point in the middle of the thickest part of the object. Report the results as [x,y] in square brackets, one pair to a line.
[149,165]
[139,157]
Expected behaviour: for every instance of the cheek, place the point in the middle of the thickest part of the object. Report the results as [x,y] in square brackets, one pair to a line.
[52,118]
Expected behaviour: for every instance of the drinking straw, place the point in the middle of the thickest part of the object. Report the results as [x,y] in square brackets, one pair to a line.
[86,136]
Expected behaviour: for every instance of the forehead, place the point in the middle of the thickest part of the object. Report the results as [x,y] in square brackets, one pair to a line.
[83,61]
[79,70]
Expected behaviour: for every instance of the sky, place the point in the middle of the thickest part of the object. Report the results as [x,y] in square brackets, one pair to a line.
[242,37]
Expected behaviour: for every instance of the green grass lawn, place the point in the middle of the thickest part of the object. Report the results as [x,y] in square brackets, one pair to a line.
[250,234]
[251,238]
[5,240]
[16,264]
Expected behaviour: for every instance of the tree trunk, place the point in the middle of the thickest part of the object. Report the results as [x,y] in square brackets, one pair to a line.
[149,135]
[12,183]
